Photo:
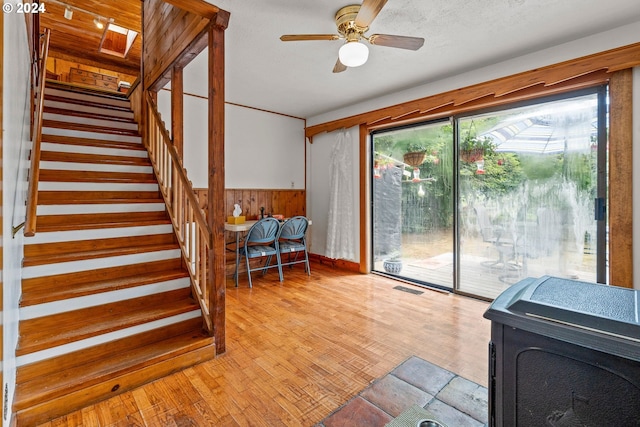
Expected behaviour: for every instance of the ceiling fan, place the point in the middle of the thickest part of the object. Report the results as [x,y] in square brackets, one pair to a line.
[352,22]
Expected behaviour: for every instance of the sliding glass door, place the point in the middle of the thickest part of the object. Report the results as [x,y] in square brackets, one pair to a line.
[528,182]
[412,194]
[479,202]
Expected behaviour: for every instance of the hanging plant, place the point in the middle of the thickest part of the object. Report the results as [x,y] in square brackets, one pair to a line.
[473,149]
[415,155]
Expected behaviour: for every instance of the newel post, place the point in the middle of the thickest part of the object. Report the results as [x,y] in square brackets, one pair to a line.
[216,268]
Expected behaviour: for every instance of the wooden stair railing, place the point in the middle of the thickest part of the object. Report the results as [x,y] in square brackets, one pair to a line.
[34,175]
[189,223]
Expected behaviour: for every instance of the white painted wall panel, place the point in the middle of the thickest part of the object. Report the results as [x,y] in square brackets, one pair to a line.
[262,149]
[15,149]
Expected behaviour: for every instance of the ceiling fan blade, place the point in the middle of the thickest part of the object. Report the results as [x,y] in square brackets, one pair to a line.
[339,67]
[403,42]
[368,12]
[305,37]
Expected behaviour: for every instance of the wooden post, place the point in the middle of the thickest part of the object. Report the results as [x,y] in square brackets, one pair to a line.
[621,179]
[177,109]
[216,217]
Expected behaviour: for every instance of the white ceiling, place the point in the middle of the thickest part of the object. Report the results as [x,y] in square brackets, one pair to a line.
[296,78]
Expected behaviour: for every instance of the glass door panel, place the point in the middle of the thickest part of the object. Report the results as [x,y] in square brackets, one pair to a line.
[527,180]
[412,194]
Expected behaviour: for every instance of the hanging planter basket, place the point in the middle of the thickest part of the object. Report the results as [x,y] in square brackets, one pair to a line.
[472,156]
[415,158]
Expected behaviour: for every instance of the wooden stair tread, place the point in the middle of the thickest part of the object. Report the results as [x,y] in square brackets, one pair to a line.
[98,197]
[90,245]
[57,156]
[119,106]
[53,175]
[50,331]
[39,290]
[61,382]
[104,220]
[102,253]
[92,142]
[89,115]
[94,92]
[45,411]
[47,123]
[98,286]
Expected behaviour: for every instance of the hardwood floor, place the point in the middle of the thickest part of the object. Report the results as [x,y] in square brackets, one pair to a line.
[298,350]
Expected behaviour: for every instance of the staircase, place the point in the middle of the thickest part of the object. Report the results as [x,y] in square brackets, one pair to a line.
[106,302]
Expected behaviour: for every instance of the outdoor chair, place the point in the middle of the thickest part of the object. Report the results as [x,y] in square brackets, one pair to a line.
[292,240]
[261,242]
[497,237]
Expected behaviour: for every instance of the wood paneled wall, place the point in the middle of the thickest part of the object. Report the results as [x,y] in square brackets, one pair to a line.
[168,32]
[284,202]
[61,67]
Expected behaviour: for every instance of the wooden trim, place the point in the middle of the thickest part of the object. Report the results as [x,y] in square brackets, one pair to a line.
[335,263]
[587,71]
[621,179]
[216,217]
[364,185]
[177,109]
[202,8]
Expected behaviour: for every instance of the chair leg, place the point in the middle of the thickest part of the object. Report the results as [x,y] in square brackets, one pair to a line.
[266,265]
[306,262]
[279,261]
[237,266]
[249,272]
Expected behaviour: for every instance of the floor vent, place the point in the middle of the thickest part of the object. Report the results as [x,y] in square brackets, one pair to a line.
[409,290]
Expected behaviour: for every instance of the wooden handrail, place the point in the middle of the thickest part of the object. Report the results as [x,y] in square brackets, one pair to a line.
[189,222]
[34,174]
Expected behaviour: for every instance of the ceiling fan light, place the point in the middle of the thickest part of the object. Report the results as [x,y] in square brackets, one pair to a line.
[98,23]
[353,54]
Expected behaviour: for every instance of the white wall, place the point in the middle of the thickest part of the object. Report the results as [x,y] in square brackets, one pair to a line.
[15,148]
[262,149]
[636,176]
[318,182]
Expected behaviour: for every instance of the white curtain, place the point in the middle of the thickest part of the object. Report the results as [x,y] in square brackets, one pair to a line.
[340,241]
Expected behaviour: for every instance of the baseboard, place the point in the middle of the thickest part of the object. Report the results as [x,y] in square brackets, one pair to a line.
[336,263]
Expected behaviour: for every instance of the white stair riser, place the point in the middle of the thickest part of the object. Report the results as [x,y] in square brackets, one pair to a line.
[100,233]
[95,300]
[92,149]
[94,264]
[94,167]
[90,135]
[90,121]
[94,186]
[105,338]
[87,109]
[120,103]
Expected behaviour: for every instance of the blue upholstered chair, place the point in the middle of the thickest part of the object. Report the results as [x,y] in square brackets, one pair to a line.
[292,241]
[261,242]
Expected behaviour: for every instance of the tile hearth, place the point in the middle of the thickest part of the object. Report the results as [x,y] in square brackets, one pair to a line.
[452,399]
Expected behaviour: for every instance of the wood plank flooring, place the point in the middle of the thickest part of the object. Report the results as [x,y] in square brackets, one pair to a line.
[298,350]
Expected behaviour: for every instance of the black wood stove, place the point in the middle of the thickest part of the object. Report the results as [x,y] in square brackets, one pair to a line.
[564,353]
